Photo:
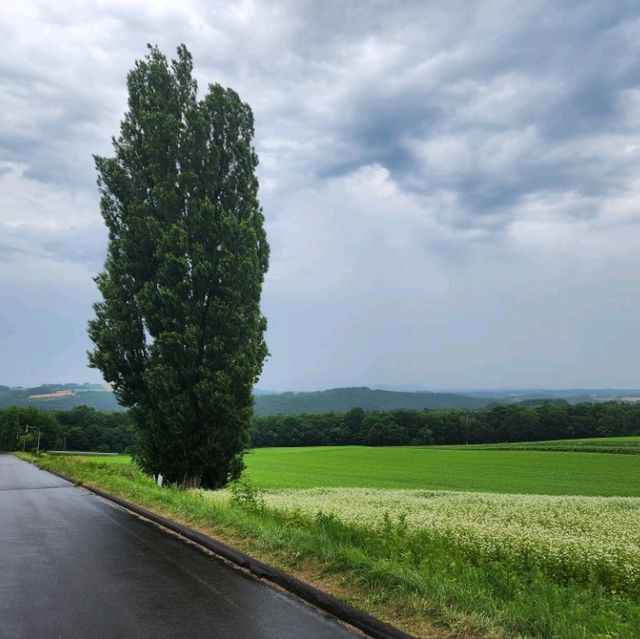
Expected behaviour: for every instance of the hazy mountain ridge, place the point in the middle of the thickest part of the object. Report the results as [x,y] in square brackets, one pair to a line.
[59,397]
[266,403]
[338,400]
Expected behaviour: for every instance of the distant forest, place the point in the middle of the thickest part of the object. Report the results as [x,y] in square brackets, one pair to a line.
[86,429]
[500,423]
[82,428]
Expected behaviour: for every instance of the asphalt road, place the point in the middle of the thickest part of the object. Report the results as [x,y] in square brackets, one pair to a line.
[73,565]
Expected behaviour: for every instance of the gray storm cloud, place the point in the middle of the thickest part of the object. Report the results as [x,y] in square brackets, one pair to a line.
[451,189]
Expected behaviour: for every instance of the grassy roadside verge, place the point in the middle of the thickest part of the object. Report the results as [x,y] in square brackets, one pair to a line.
[422,585]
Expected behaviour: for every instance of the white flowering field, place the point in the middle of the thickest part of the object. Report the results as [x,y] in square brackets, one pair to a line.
[566,537]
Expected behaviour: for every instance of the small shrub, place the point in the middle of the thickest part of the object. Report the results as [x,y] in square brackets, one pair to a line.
[246,494]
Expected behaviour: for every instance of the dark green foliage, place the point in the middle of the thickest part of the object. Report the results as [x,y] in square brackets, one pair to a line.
[89,430]
[82,428]
[13,433]
[179,331]
[502,423]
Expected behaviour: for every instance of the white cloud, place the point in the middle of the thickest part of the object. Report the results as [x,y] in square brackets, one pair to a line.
[432,175]
[54,223]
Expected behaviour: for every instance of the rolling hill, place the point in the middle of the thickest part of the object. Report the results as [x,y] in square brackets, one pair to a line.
[339,400]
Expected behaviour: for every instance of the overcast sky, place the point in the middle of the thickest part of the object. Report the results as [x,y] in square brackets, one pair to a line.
[451,189]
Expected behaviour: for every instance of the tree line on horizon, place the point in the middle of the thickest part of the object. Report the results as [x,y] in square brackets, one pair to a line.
[86,429]
[82,429]
[497,424]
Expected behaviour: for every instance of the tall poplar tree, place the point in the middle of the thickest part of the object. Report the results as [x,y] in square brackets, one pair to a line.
[179,332]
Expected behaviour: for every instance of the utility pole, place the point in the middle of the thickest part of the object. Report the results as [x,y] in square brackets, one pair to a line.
[24,440]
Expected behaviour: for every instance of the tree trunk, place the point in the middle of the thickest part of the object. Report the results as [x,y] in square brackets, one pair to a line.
[191,481]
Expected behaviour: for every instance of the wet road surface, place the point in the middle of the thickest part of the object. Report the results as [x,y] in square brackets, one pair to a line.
[74,566]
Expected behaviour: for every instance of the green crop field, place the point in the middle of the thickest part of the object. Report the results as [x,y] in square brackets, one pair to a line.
[111,459]
[618,445]
[469,469]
